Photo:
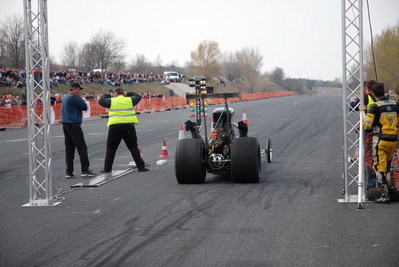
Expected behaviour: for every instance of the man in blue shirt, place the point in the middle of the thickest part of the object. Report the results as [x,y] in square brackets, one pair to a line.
[72,107]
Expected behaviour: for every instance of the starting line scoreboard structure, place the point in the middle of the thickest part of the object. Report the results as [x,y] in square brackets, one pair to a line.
[38,89]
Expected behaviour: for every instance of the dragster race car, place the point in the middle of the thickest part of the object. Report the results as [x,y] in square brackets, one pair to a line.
[223,152]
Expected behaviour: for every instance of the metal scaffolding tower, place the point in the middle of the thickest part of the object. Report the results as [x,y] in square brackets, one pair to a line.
[352,77]
[38,101]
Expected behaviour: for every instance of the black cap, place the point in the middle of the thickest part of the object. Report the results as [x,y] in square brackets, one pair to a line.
[76,85]
[119,91]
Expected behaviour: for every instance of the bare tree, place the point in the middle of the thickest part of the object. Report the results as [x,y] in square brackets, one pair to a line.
[52,60]
[173,65]
[70,56]
[139,64]
[277,76]
[158,65]
[87,57]
[250,61]
[205,60]
[231,68]
[107,48]
[12,41]
[119,65]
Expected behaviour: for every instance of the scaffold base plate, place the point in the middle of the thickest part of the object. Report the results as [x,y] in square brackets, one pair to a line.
[41,203]
[352,199]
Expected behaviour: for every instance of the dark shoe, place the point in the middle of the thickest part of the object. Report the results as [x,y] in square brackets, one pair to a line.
[89,173]
[105,171]
[384,200]
[144,169]
[69,175]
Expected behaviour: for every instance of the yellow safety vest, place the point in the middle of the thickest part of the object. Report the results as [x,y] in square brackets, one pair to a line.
[370,102]
[121,111]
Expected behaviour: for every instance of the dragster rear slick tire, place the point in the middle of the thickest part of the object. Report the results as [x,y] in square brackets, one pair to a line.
[246,164]
[189,167]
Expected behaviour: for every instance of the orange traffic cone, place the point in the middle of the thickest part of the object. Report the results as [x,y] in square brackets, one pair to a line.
[244,117]
[164,152]
[181,132]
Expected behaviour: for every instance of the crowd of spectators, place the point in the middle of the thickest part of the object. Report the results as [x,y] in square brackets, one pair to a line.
[6,100]
[17,77]
[13,77]
[9,100]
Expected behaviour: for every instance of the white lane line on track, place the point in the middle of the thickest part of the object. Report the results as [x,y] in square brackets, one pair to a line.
[15,140]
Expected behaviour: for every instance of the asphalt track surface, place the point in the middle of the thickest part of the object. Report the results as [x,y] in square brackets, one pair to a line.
[291,218]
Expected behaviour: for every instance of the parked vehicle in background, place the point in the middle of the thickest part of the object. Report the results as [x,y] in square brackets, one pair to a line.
[99,70]
[172,76]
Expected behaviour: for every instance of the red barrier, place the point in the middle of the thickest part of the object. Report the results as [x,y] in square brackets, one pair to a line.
[95,108]
[13,115]
[157,104]
[18,114]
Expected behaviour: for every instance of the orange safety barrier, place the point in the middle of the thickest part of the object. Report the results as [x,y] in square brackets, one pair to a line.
[144,105]
[18,114]
[174,102]
[13,115]
[95,108]
[157,104]
[160,104]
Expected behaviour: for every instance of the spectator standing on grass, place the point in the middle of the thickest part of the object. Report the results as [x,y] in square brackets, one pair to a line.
[13,101]
[72,107]
[7,101]
[18,100]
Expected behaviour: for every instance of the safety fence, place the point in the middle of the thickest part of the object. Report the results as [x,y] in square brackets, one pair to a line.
[16,115]
[159,104]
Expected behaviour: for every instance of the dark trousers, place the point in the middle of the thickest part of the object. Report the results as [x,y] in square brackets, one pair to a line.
[74,138]
[116,133]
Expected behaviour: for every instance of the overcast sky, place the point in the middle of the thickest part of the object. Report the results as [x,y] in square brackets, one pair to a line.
[303,37]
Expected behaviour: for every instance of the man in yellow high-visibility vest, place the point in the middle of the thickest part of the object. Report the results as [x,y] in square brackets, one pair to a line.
[121,120]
